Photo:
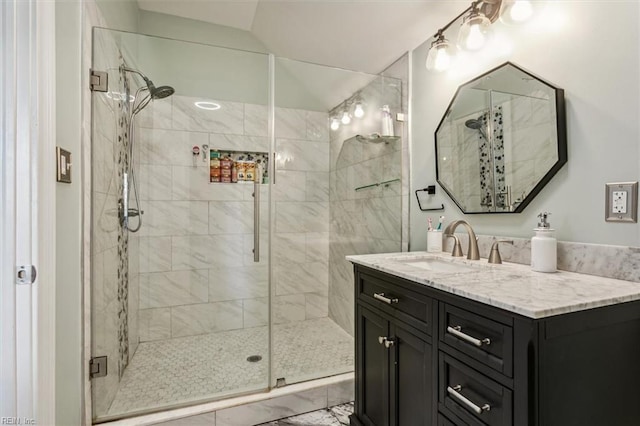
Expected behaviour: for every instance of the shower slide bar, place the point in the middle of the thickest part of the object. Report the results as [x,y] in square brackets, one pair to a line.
[256,221]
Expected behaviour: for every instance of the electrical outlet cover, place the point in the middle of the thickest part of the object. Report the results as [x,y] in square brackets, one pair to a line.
[621,202]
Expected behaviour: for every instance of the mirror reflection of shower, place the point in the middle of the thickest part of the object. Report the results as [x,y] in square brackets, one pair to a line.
[476,124]
[143,96]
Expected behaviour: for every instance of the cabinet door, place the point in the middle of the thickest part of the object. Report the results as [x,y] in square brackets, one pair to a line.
[412,384]
[372,368]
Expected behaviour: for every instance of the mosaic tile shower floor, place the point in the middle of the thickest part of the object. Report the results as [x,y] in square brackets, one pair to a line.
[177,371]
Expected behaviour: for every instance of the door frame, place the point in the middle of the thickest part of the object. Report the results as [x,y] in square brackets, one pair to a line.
[27,210]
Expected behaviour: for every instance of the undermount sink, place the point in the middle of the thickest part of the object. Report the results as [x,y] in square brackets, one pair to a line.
[438,265]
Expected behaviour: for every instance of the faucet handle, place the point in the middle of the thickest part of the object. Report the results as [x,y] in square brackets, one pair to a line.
[457,250]
[494,255]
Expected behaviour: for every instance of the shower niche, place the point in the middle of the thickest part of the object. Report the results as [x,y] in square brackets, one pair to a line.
[501,140]
[238,167]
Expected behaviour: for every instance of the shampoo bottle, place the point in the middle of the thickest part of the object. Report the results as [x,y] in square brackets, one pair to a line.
[387,121]
[544,247]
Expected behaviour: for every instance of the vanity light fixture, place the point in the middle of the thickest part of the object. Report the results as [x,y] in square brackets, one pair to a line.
[209,106]
[358,111]
[440,54]
[346,117]
[335,123]
[515,11]
[476,29]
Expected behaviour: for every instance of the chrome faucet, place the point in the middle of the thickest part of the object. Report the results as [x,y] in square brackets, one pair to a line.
[473,253]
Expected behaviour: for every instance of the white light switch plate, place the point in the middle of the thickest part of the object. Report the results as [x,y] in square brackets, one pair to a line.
[621,202]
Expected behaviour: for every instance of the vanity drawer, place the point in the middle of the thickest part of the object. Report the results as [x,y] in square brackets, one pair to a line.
[483,339]
[471,396]
[409,306]
[443,421]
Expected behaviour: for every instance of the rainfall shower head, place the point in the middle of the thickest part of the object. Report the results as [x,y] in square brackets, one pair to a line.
[476,124]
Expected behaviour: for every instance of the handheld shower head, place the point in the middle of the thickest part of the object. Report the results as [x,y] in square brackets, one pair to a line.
[155,92]
[476,124]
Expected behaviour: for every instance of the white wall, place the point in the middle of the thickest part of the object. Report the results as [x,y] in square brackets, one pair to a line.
[590,49]
[68,218]
[120,14]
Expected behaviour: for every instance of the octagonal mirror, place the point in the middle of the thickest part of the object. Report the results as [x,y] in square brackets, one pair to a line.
[501,140]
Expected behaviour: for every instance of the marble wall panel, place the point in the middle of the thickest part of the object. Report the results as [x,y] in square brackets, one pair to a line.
[301,278]
[222,142]
[161,289]
[155,254]
[155,324]
[170,218]
[170,147]
[255,312]
[289,308]
[228,119]
[256,120]
[190,320]
[234,283]
[302,155]
[302,217]
[290,123]
[206,251]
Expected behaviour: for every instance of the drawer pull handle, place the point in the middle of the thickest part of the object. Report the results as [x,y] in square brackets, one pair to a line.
[455,392]
[386,342]
[456,331]
[385,299]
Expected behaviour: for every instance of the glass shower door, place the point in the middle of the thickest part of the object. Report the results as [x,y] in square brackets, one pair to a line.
[180,307]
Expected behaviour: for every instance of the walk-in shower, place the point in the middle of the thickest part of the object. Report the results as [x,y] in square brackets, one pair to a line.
[144,95]
[182,311]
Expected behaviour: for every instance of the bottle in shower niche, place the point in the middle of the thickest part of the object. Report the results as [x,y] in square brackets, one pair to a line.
[387,121]
[544,246]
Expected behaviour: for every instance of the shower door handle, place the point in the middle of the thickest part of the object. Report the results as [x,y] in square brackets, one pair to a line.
[256,221]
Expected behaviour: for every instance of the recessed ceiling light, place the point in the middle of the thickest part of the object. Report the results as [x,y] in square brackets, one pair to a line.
[210,106]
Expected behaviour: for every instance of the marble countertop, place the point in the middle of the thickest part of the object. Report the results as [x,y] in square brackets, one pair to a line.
[510,286]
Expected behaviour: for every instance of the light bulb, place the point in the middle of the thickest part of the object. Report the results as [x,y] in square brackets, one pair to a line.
[440,54]
[358,111]
[335,123]
[474,32]
[475,39]
[346,118]
[515,11]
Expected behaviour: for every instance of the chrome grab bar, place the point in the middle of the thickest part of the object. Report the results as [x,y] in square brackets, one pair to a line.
[385,299]
[256,221]
[456,331]
[455,392]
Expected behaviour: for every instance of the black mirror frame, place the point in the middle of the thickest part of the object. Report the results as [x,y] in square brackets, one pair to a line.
[561,127]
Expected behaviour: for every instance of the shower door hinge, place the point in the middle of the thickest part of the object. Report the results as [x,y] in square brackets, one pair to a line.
[98,367]
[98,81]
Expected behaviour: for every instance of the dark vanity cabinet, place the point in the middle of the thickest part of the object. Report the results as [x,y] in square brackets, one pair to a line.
[428,357]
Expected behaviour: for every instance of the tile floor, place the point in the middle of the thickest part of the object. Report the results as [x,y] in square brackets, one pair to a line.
[198,368]
[332,416]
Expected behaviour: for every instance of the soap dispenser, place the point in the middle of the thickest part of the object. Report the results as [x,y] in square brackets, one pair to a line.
[544,246]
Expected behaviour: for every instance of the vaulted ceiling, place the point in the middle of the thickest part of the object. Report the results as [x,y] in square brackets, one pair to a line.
[362,35]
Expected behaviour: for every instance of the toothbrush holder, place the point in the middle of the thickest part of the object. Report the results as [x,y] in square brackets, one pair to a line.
[434,240]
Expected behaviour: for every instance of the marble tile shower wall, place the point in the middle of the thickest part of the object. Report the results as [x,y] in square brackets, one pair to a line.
[114,256]
[369,220]
[197,270]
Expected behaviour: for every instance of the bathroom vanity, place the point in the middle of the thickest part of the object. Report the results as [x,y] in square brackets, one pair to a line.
[446,341]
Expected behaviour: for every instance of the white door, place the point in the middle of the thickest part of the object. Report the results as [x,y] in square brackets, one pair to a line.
[27,198]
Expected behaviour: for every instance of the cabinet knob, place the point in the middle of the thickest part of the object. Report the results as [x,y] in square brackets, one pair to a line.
[386,341]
